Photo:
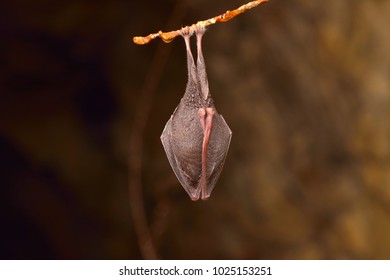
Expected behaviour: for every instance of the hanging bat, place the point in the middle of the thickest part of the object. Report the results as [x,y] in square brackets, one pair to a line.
[196,138]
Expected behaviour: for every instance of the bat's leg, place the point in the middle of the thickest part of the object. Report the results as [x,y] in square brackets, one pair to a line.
[186,33]
[200,65]
[206,119]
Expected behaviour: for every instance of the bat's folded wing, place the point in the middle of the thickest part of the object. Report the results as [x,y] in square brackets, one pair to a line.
[183,156]
[217,151]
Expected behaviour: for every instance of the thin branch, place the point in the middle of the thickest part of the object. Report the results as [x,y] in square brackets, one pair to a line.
[167,37]
[136,141]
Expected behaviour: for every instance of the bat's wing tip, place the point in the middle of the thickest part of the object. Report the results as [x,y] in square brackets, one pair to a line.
[194,194]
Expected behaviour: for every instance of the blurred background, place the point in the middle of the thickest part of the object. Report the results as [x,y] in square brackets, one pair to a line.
[304,86]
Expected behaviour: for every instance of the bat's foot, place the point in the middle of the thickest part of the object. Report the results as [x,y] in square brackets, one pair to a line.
[186,31]
[200,29]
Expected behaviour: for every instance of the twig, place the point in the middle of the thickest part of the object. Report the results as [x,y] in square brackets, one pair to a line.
[136,140]
[167,37]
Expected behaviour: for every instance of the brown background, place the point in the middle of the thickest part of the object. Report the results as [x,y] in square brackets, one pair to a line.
[304,86]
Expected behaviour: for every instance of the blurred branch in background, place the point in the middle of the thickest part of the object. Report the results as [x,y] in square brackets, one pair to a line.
[136,141]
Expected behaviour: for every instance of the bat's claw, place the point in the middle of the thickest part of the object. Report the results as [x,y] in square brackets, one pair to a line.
[186,31]
[200,29]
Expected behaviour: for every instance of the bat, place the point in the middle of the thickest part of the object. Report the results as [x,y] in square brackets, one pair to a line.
[196,138]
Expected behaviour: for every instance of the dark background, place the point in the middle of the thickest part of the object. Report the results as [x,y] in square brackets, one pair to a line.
[304,86]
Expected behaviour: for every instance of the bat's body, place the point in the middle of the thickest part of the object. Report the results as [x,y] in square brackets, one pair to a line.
[196,138]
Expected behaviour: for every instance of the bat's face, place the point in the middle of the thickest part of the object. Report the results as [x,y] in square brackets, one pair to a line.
[196,138]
